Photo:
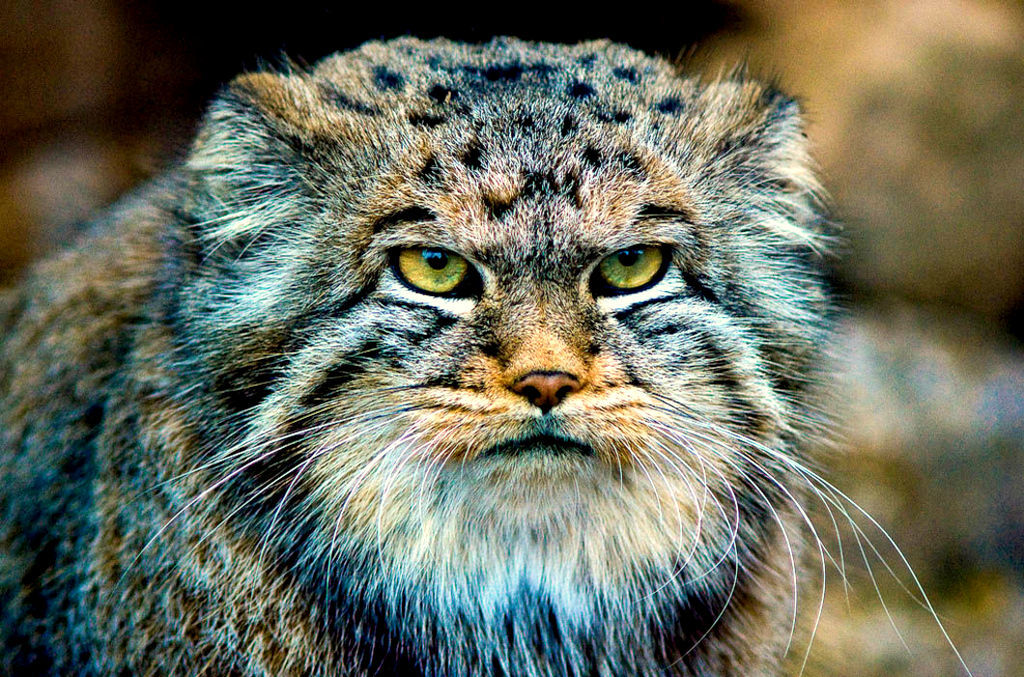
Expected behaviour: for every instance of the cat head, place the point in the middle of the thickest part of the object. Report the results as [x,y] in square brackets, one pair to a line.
[513,312]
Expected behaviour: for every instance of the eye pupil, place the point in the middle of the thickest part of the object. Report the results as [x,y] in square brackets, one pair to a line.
[629,257]
[437,260]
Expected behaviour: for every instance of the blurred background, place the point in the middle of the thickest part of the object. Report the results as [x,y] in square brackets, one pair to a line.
[916,113]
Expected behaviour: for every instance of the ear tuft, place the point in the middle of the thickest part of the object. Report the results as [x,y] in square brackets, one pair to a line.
[284,100]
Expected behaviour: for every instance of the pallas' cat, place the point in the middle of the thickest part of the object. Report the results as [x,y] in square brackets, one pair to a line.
[433,359]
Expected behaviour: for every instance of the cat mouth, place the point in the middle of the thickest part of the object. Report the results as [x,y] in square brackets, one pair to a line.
[550,445]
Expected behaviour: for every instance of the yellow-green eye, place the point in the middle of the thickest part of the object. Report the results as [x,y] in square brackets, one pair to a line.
[629,269]
[430,270]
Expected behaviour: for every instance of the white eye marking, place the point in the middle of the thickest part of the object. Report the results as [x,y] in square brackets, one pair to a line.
[451,305]
[670,285]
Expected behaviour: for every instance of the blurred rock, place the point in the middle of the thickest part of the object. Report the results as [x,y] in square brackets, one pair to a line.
[917,112]
[934,425]
[92,94]
[44,195]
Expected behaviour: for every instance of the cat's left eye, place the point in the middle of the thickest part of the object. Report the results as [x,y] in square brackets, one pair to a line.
[629,270]
[434,271]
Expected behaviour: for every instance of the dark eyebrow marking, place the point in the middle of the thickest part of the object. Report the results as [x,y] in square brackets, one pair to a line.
[431,171]
[408,215]
[650,211]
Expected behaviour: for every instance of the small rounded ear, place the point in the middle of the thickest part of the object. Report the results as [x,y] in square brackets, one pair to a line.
[783,119]
[246,162]
[756,138]
[782,136]
[252,116]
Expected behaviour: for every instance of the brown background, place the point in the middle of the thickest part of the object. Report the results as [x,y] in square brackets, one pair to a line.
[916,111]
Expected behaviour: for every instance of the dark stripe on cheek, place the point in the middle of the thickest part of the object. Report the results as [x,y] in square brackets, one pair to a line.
[303,327]
[698,288]
[337,377]
[722,374]
[246,385]
[343,372]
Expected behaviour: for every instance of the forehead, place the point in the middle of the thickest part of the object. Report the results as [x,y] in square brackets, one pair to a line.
[608,81]
[512,145]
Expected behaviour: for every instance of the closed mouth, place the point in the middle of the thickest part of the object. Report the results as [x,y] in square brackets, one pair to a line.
[540,444]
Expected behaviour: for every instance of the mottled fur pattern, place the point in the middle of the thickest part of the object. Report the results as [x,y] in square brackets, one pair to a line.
[235,443]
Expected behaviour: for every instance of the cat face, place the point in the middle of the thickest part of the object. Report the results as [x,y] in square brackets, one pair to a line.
[548,323]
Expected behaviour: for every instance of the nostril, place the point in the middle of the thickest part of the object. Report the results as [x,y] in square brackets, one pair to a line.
[530,393]
[545,389]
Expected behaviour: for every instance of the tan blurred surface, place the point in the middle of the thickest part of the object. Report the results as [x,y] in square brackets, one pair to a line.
[916,111]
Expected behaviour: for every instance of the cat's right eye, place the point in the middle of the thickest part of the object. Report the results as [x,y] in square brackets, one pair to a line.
[435,271]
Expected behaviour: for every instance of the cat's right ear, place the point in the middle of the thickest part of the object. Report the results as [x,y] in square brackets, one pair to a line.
[247,158]
[257,117]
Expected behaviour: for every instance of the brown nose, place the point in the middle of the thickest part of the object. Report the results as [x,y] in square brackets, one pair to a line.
[545,389]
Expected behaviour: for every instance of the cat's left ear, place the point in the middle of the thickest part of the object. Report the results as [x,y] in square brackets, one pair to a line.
[780,132]
[754,140]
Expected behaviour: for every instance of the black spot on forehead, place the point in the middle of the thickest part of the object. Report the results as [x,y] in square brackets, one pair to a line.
[627,73]
[426,120]
[670,106]
[592,157]
[385,78]
[541,68]
[472,156]
[540,183]
[431,171]
[587,59]
[631,162]
[441,94]
[617,117]
[498,207]
[581,90]
[334,96]
[508,71]
[568,124]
